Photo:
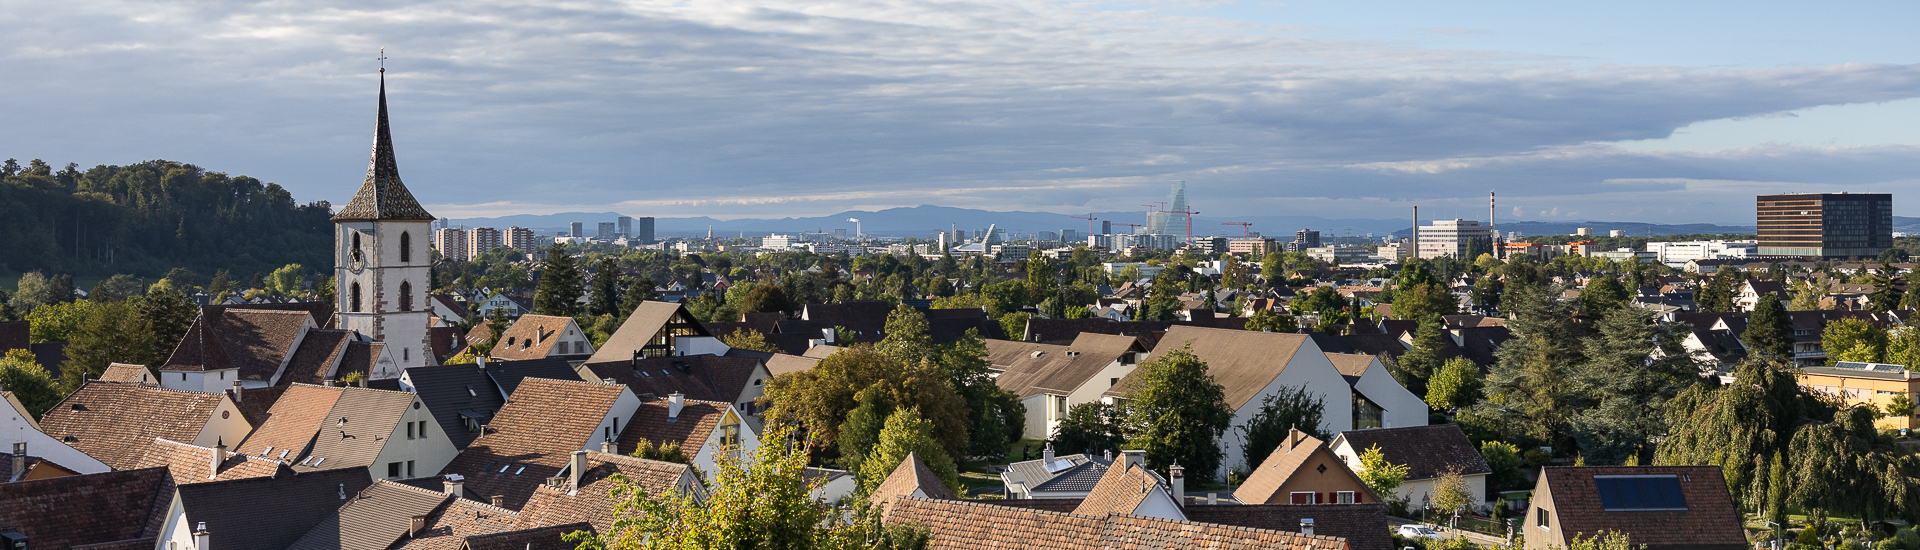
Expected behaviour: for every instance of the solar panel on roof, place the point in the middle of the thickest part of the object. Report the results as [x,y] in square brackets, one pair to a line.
[1620,493]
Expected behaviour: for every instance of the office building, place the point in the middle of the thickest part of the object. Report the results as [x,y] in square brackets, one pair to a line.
[777,242]
[1616,232]
[643,230]
[1340,254]
[1583,232]
[521,238]
[452,243]
[1046,236]
[1069,235]
[1106,227]
[1833,225]
[1303,240]
[1452,238]
[1172,221]
[480,240]
[1256,247]
[606,231]
[626,226]
[1679,253]
[575,229]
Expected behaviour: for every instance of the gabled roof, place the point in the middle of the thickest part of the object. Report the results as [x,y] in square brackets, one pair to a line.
[1364,526]
[782,363]
[703,377]
[374,519]
[292,423]
[122,372]
[269,512]
[461,520]
[592,504]
[1074,473]
[253,341]
[317,357]
[966,525]
[640,327]
[1263,484]
[911,475]
[452,392]
[538,538]
[821,351]
[1709,521]
[66,512]
[1426,451]
[360,357]
[690,430]
[1089,353]
[116,422]
[457,307]
[382,196]
[507,375]
[188,463]
[1351,365]
[533,436]
[1120,491]
[360,424]
[531,337]
[1241,361]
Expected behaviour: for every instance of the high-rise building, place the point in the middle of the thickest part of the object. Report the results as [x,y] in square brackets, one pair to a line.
[1106,227]
[575,229]
[452,243]
[1069,235]
[1834,225]
[1452,238]
[626,226]
[645,230]
[1303,240]
[840,234]
[606,231]
[521,238]
[480,240]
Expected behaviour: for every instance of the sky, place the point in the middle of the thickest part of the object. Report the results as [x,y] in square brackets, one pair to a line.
[1662,112]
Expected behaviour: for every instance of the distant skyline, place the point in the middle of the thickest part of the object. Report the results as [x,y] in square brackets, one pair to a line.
[1630,111]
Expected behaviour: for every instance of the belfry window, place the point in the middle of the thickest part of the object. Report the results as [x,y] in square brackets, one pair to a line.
[406,287]
[406,251]
[353,294]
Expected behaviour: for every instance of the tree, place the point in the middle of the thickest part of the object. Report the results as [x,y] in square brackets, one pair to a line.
[906,433]
[1487,291]
[1455,386]
[1014,325]
[22,374]
[1900,405]
[1089,428]
[1604,540]
[1181,413]
[1603,294]
[765,298]
[1718,294]
[1380,476]
[1450,492]
[118,287]
[1528,394]
[1267,320]
[907,339]
[1419,363]
[1853,340]
[1769,330]
[170,314]
[1508,467]
[1728,425]
[1847,467]
[57,321]
[998,417]
[112,333]
[820,399]
[1777,491]
[1903,344]
[33,290]
[749,339]
[862,429]
[1286,409]
[640,291]
[1806,296]
[1887,294]
[606,288]
[1634,365]
[558,292]
[286,280]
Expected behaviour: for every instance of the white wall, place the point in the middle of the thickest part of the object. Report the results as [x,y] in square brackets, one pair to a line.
[697,345]
[1403,408]
[429,454]
[1159,504]
[708,459]
[1099,383]
[1037,426]
[16,428]
[227,425]
[1310,368]
[1420,491]
[404,332]
[620,413]
[209,381]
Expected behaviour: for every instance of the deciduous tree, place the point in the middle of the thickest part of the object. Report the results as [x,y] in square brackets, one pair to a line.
[906,432]
[1180,413]
[1286,409]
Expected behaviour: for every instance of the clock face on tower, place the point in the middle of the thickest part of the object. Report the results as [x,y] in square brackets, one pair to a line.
[356,260]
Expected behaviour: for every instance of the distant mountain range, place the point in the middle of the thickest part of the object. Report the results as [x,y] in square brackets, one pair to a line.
[925,220]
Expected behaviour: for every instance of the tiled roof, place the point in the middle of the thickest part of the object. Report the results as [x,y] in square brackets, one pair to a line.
[1081,474]
[539,538]
[15,335]
[1364,526]
[592,504]
[508,374]
[188,463]
[1350,364]
[116,422]
[531,337]
[821,351]
[254,341]
[451,526]
[1264,483]
[98,508]
[255,403]
[965,525]
[1120,491]
[122,372]
[782,363]
[446,341]
[446,300]
[691,430]
[1020,363]
[1087,356]
[866,318]
[1709,522]
[360,424]
[702,377]
[911,475]
[319,353]
[1243,362]
[269,512]
[359,357]
[454,393]
[532,437]
[374,519]
[292,422]
[1426,451]
[646,320]
[382,196]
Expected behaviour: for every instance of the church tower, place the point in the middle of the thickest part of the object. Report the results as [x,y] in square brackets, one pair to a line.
[381,263]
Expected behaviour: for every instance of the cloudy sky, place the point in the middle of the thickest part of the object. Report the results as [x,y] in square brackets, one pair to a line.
[1624,110]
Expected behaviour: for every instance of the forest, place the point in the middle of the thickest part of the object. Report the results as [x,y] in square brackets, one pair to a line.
[149,217]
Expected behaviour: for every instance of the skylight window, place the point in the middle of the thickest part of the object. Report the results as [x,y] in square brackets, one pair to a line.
[503,468]
[268,451]
[470,392]
[523,468]
[304,461]
[317,461]
[283,453]
[1621,493]
[1058,465]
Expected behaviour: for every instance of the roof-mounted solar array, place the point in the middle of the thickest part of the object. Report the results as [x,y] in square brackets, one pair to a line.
[1624,493]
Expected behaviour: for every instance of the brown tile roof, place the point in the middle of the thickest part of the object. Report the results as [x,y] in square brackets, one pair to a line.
[593,504]
[122,372]
[316,358]
[254,341]
[1089,353]
[823,351]
[1120,491]
[359,357]
[1350,364]
[1263,485]
[360,424]
[959,524]
[1427,451]
[446,341]
[116,422]
[451,526]
[292,422]
[1364,526]
[1709,522]
[696,423]
[539,538]
[458,307]
[782,363]
[1243,362]
[531,337]
[98,508]
[188,463]
[382,196]
[911,475]
[639,328]
[533,436]
[374,519]
[255,403]
[1020,363]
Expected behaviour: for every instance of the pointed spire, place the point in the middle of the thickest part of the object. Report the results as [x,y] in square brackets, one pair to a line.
[382,196]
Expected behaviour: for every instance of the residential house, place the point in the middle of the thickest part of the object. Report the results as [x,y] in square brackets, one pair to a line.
[534,435]
[228,344]
[1752,290]
[116,422]
[1855,383]
[536,336]
[1428,452]
[258,512]
[1378,400]
[30,449]
[1656,507]
[738,381]
[447,309]
[196,464]
[137,374]
[704,430]
[658,329]
[121,509]
[511,306]
[1051,379]
[399,516]
[911,478]
[1129,488]
[507,375]
[584,498]
[1303,470]
[461,397]
[1071,476]
[387,434]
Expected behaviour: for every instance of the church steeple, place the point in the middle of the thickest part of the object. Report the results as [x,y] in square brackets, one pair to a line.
[382,196]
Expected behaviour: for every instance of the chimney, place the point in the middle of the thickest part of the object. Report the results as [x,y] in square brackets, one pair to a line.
[328,382]
[418,524]
[456,485]
[606,446]
[1178,477]
[1306,526]
[499,501]
[577,470]
[236,391]
[481,361]
[19,458]
[202,540]
[1134,458]
[219,455]
[1213,498]
[1046,454]
[675,402]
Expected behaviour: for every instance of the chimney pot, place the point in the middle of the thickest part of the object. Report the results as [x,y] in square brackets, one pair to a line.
[1046,454]
[675,402]
[236,391]
[219,455]
[500,501]
[577,469]
[202,540]
[328,382]
[606,446]
[416,525]
[456,485]
[1178,479]
[1213,498]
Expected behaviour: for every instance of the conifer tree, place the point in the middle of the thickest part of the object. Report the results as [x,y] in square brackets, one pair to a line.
[561,285]
[1769,330]
[606,288]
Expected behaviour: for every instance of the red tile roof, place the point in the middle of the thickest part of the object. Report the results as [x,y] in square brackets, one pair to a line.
[533,436]
[593,504]
[116,422]
[254,341]
[911,475]
[98,508]
[452,525]
[188,463]
[1709,522]
[292,422]
[691,430]
[959,524]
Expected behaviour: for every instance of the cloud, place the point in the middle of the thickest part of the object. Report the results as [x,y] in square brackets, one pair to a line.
[733,108]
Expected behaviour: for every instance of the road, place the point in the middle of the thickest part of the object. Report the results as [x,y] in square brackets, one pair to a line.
[1484,540]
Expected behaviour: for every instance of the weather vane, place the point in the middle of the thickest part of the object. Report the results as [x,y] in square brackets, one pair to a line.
[383,59]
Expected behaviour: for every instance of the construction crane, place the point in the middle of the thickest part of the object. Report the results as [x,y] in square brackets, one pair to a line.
[1244,228]
[1089,217]
[1127,224]
[1190,214]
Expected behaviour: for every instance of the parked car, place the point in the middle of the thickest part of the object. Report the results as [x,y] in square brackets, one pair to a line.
[1418,532]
